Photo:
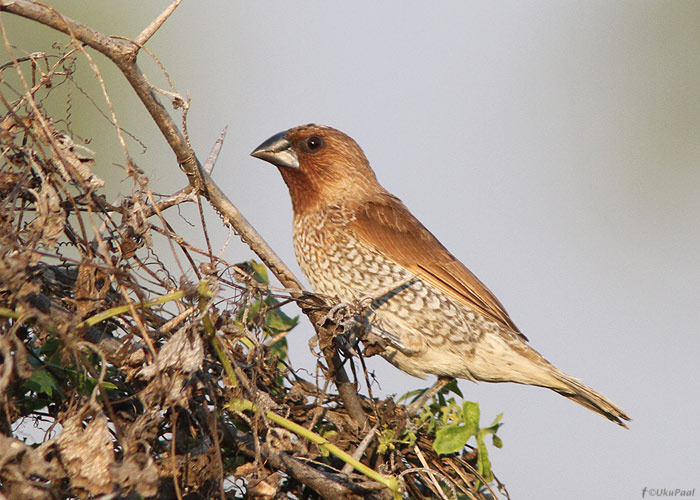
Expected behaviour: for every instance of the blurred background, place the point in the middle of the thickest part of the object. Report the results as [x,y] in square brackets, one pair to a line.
[554,147]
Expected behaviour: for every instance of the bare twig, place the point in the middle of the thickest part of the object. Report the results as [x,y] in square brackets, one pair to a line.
[214,154]
[150,30]
[431,473]
[360,450]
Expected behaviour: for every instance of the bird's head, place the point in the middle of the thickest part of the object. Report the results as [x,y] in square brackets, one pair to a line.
[320,165]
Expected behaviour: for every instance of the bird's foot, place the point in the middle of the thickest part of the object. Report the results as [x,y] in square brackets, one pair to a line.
[342,313]
[347,317]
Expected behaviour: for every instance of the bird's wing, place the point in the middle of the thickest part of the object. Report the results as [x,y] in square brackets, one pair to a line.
[386,224]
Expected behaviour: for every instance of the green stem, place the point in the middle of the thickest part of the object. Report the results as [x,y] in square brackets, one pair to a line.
[116,311]
[388,481]
[228,368]
[204,295]
[9,313]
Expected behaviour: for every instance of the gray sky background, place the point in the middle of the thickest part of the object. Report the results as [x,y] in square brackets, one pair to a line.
[554,147]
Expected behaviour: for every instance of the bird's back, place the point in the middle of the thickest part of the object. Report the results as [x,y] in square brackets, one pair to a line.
[428,331]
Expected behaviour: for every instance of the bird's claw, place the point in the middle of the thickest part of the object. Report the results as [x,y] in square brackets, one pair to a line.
[345,315]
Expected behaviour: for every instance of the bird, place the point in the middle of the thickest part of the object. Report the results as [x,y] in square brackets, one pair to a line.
[354,241]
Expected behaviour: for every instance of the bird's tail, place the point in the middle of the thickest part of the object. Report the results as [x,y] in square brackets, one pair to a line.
[585,396]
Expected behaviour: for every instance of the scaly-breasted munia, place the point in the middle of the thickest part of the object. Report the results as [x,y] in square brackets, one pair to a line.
[353,240]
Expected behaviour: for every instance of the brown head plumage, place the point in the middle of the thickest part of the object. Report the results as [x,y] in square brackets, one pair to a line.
[353,239]
[319,165]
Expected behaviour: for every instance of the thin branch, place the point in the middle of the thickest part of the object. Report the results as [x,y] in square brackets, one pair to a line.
[214,154]
[187,193]
[150,30]
[361,448]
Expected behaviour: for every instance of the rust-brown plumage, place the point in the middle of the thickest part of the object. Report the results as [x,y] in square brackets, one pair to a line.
[354,240]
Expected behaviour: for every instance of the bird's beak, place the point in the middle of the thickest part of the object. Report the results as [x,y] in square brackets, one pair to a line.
[278,151]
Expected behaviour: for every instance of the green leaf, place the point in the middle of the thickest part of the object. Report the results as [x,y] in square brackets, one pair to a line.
[452,387]
[29,405]
[412,395]
[329,434]
[497,420]
[259,272]
[451,439]
[279,349]
[42,382]
[254,309]
[495,425]
[483,463]
[497,442]
[278,320]
[409,437]
[471,413]
[50,347]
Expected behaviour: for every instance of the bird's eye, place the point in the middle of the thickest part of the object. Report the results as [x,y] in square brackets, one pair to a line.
[314,143]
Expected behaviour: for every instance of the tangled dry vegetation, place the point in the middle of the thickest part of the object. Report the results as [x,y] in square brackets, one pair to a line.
[150,382]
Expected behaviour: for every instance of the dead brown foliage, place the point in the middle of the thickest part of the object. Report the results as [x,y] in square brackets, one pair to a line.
[138,374]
